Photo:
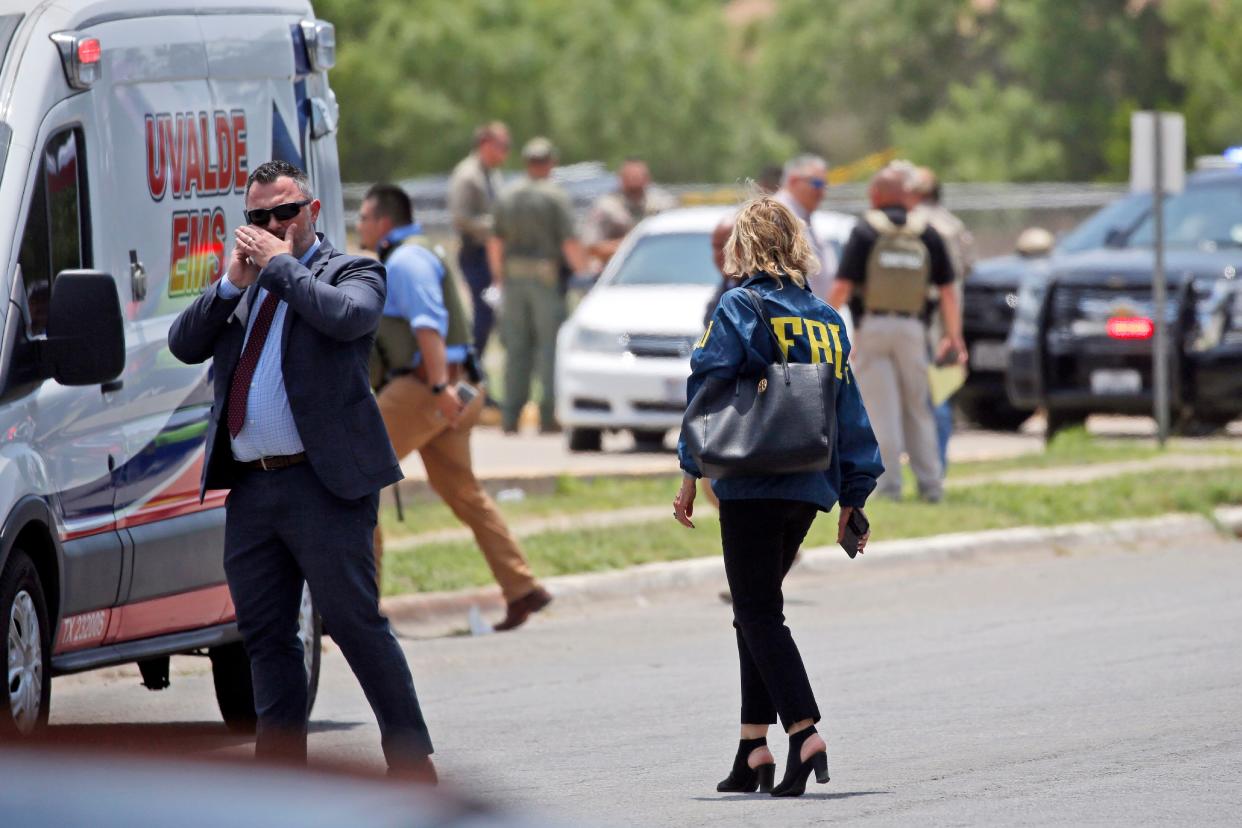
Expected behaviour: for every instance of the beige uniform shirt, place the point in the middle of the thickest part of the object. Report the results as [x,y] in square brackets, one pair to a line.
[960,245]
[533,217]
[613,216]
[472,192]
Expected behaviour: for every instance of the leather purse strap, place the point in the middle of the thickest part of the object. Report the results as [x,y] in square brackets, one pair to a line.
[756,301]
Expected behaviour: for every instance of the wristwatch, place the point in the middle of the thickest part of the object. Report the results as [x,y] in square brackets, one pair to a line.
[439,387]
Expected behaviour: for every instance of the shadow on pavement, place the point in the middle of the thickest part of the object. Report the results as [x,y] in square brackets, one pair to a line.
[157,737]
[749,797]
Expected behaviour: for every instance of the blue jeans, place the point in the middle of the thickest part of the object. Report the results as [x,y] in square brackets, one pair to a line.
[283,527]
[944,430]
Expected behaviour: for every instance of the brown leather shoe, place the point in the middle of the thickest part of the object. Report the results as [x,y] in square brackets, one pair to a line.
[521,609]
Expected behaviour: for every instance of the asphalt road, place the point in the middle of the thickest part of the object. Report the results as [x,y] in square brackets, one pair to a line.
[1099,687]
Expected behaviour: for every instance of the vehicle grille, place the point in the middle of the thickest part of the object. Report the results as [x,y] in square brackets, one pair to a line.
[659,345]
[988,309]
[660,407]
[1096,305]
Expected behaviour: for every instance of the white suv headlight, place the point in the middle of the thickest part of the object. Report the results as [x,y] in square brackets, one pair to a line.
[605,342]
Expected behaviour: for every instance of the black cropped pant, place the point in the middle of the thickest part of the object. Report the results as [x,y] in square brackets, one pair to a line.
[761,539]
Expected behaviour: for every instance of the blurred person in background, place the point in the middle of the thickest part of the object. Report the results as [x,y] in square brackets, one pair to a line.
[769,180]
[764,518]
[418,367]
[891,258]
[614,215]
[533,232]
[473,188]
[804,183]
[925,187]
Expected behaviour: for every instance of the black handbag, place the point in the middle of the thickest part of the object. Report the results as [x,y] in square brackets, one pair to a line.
[782,421]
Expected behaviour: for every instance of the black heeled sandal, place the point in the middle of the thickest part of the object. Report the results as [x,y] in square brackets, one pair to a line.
[797,771]
[745,779]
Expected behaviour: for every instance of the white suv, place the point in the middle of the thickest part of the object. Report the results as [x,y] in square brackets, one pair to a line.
[622,358]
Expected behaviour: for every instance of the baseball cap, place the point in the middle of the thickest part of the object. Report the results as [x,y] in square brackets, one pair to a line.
[539,149]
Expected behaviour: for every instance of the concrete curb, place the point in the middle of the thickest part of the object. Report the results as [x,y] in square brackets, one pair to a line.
[634,582]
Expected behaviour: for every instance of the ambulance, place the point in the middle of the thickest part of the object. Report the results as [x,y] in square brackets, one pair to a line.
[127,131]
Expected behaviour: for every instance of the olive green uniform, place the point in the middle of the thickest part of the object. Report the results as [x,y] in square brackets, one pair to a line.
[533,218]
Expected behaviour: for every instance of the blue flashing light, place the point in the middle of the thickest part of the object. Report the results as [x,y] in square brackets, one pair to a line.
[1233,155]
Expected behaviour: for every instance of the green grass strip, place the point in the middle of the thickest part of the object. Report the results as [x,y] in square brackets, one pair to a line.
[459,564]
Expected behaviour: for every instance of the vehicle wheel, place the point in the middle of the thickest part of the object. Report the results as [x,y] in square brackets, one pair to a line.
[1060,419]
[648,440]
[25,649]
[995,415]
[585,439]
[1203,425]
[230,671]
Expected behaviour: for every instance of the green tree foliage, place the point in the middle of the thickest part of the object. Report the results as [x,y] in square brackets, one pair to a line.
[987,133]
[712,89]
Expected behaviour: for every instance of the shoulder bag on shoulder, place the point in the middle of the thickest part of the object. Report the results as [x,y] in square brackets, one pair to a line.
[782,421]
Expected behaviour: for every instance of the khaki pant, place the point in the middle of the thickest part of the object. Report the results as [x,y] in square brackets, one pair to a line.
[890,363]
[414,424]
[529,320]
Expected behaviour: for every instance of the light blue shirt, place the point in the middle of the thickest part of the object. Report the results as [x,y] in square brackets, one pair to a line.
[269,430]
[416,289]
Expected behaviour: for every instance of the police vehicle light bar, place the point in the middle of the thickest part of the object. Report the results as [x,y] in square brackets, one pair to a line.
[320,37]
[80,56]
[1130,327]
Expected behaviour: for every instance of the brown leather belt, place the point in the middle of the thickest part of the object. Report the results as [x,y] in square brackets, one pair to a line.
[280,461]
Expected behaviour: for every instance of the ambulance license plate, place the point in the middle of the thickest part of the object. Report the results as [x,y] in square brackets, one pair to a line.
[1126,381]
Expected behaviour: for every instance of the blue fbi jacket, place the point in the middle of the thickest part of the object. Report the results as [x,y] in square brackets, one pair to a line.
[809,331]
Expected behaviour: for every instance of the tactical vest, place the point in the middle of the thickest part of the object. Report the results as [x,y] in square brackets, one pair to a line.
[899,266]
[395,342]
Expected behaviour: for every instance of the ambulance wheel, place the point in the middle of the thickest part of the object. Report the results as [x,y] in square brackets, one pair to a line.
[585,439]
[25,649]
[230,671]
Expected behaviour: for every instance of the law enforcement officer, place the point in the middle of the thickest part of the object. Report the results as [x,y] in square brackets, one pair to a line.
[473,188]
[533,230]
[925,187]
[891,258]
[803,185]
[419,357]
[614,215]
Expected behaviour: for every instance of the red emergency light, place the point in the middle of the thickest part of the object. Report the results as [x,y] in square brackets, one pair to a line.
[1130,327]
[88,50]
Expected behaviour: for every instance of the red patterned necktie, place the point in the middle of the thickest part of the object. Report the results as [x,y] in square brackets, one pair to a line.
[239,388]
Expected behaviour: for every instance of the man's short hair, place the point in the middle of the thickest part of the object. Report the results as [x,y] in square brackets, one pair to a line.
[269,171]
[488,131]
[800,165]
[392,202]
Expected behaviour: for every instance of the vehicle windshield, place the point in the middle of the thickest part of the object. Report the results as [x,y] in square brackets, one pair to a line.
[1206,217]
[1116,220]
[669,259]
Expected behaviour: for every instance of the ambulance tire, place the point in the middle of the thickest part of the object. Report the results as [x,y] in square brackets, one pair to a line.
[230,672]
[586,439]
[27,695]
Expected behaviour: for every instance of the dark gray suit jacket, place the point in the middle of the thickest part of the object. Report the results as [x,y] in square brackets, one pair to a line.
[334,308]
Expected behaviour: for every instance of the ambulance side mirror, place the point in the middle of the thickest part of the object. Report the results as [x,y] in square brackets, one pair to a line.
[85,329]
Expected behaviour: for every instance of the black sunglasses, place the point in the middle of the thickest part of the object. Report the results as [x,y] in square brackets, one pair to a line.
[282,212]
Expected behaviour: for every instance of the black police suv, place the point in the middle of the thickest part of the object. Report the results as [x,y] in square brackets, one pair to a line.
[991,297]
[1082,337]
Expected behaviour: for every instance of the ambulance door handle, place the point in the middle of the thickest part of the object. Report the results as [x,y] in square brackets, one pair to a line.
[137,277]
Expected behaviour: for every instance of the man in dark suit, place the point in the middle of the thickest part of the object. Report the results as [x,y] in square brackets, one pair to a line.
[297,436]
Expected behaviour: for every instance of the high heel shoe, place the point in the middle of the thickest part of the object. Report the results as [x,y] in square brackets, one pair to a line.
[745,779]
[797,771]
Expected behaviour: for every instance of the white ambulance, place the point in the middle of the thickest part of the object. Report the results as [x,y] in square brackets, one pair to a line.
[127,131]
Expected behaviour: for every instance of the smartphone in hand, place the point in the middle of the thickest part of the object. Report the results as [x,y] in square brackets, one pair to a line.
[855,528]
[466,393]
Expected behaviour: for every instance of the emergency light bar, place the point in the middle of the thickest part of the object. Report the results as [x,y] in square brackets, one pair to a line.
[80,56]
[1130,327]
[320,37]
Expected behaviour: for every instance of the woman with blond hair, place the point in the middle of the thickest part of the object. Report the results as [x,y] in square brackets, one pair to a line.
[764,518]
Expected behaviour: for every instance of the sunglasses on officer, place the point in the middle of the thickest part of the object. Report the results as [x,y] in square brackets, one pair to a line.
[282,212]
